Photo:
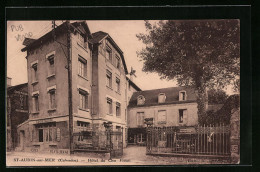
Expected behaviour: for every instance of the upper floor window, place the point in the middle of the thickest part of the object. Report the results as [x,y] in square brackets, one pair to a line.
[140,118]
[161,98]
[108,54]
[82,66]
[182,116]
[35,103]
[117,62]
[162,116]
[23,102]
[182,95]
[118,109]
[83,99]
[81,39]
[140,100]
[52,99]
[109,106]
[109,79]
[34,72]
[118,85]
[51,68]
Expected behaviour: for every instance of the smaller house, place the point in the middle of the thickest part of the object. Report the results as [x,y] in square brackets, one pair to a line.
[174,106]
[17,112]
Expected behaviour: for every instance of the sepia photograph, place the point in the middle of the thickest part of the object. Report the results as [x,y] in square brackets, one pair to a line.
[122,92]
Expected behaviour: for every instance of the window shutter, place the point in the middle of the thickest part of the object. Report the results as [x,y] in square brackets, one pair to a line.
[58,134]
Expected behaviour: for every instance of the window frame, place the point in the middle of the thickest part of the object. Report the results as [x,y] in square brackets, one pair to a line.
[52,103]
[84,95]
[35,73]
[118,109]
[108,79]
[164,98]
[182,95]
[109,52]
[117,61]
[82,67]
[109,106]
[165,118]
[140,118]
[35,99]
[138,100]
[51,65]
[118,89]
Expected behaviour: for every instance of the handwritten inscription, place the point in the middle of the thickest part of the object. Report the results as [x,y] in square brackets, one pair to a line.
[20,36]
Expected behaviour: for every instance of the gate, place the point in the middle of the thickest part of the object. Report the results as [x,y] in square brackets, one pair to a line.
[107,141]
[200,140]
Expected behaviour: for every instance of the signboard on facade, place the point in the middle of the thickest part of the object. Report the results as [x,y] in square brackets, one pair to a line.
[187,130]
[44,121]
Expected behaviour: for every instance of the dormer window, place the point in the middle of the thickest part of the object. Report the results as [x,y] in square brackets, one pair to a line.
[140,100]
[182,96]
[161,98]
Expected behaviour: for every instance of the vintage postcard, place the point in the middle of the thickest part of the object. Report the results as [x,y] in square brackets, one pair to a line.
[123,92]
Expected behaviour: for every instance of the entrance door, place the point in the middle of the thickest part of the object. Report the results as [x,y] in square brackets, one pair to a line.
[22,139]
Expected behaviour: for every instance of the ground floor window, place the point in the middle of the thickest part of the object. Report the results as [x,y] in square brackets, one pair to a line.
[46,132]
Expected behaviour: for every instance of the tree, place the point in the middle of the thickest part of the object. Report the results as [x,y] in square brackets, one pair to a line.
[198,53]
[217,96]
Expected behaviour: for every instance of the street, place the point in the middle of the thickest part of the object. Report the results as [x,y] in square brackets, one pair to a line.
[133,155]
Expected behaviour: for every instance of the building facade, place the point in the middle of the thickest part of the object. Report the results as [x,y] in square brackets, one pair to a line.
[17,112]
[98,84]
[175,106]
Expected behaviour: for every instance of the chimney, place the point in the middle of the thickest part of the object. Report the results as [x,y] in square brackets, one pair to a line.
[8,82]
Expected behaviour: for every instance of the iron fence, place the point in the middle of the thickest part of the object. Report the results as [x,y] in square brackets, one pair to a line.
[107,141]
[205,140]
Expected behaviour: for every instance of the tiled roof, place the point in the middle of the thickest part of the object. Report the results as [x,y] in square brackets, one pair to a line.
[98,36]
[171,93]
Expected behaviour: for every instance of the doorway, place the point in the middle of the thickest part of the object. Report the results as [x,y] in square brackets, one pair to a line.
[22,139]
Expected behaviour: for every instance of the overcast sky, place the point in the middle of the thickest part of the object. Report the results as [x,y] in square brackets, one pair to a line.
[123,32]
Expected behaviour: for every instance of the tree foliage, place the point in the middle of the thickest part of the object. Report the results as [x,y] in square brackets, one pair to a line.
[216,96]
[198,53]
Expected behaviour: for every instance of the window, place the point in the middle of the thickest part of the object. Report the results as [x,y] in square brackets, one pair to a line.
[52,101]
[140,118]
[34,73]
[162,116]
[182,116]
[109,54]
[140,100]
[51,69]
[109,106]
[23,102]
[161,98]
[83,126]
[81,39]
[35,103]
[83,99]
[118,109]
[118,85]
[82,66]
[109,79]
[182,95]
[40,135]
[47,132]
[117,62]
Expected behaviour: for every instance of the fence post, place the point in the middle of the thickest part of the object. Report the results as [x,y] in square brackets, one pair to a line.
[235,135]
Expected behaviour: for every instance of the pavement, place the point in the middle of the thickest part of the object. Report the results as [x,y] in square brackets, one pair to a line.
[133,155]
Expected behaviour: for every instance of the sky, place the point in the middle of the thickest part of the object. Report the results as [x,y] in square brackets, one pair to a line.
[123,33]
